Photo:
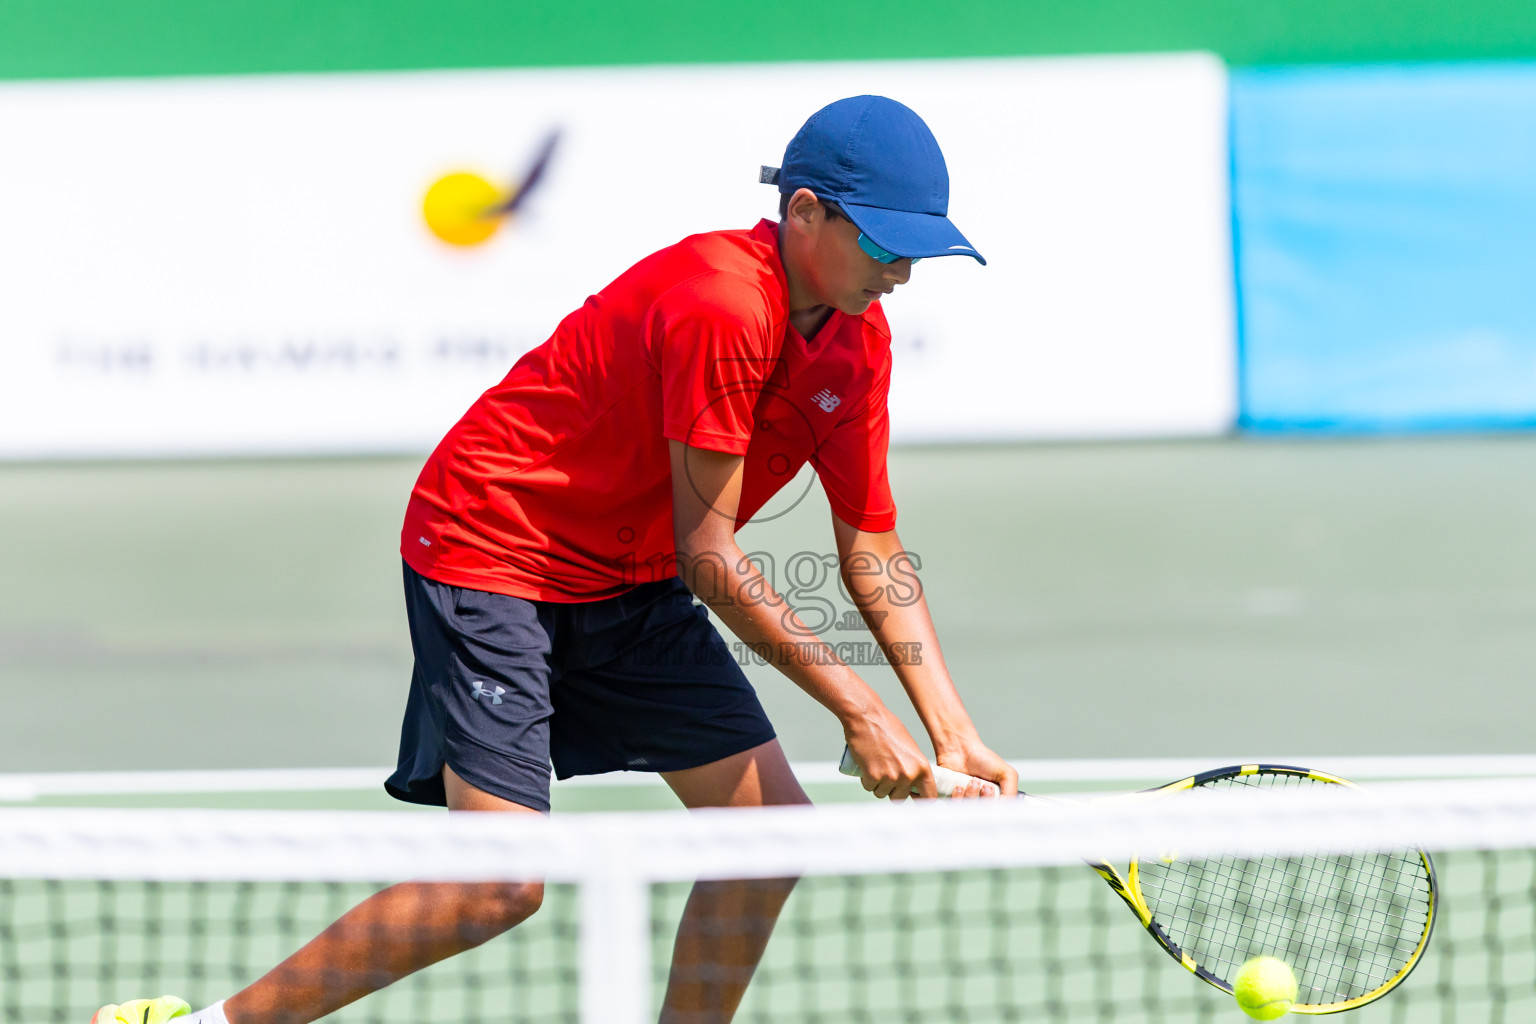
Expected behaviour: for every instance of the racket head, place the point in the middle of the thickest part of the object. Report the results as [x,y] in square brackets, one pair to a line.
[1352,926]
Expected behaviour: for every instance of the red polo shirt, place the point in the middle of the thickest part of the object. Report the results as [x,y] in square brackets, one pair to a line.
[556,485]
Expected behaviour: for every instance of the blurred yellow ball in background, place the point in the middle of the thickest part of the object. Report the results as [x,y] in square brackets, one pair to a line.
[455,208]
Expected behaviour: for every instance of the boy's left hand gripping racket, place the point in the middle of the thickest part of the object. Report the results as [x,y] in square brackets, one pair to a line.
[945,780]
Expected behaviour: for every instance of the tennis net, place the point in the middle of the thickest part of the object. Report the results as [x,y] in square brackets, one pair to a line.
[932,913]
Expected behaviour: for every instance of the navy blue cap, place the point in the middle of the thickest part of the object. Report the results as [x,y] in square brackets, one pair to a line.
[877,160]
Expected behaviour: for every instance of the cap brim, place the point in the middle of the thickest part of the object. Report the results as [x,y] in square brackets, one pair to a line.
[917,235]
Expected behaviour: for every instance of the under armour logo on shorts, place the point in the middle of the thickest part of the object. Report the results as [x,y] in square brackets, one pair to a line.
[481,690]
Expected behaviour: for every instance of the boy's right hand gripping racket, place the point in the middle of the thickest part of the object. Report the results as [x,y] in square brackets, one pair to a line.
[1351,925]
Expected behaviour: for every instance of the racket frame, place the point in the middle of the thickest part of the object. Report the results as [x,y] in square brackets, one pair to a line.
[1128,888]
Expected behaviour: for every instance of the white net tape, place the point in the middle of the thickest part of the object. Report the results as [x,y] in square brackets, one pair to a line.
[837,839]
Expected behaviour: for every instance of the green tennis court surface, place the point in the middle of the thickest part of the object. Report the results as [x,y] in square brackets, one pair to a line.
[1114,600]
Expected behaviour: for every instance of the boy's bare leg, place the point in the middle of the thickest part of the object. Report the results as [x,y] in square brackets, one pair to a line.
[726,925]
[391,934]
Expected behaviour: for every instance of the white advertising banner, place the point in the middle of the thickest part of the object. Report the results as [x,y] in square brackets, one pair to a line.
[243,265]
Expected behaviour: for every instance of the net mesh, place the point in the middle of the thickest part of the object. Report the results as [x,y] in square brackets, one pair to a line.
[1055,944]
[1037,937]
[69,947]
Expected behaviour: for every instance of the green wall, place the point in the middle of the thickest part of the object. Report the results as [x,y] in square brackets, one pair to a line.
[89,38]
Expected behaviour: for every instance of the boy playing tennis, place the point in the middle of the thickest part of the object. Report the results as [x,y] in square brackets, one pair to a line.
[556,539]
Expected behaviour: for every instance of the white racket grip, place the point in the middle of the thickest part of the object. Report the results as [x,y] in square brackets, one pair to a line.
[946,780]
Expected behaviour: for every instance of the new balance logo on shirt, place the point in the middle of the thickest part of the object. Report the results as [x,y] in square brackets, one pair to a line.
[827,400]
[481,690]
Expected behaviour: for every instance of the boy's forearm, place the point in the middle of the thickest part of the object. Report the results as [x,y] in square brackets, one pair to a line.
[762,619]
[905,631]
[921,669]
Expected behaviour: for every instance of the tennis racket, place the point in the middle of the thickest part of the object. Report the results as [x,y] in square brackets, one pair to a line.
[1351,925]
[530,179]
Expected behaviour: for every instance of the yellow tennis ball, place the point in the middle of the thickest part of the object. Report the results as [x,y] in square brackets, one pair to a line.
[455,208]
[1265,988]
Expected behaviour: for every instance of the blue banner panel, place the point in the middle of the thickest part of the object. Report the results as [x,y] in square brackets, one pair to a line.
[1386,247]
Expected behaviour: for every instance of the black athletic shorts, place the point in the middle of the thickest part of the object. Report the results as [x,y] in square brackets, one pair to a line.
[503,686]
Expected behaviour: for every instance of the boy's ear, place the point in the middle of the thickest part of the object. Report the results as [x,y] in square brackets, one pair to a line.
[803,206]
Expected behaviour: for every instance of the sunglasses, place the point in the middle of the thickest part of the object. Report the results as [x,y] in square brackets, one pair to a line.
[880,255]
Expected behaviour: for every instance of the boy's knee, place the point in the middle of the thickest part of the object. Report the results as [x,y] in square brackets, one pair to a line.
[527,898]
[511,903]
[495,907]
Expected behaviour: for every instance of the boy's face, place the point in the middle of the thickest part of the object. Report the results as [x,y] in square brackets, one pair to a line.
[824,253]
